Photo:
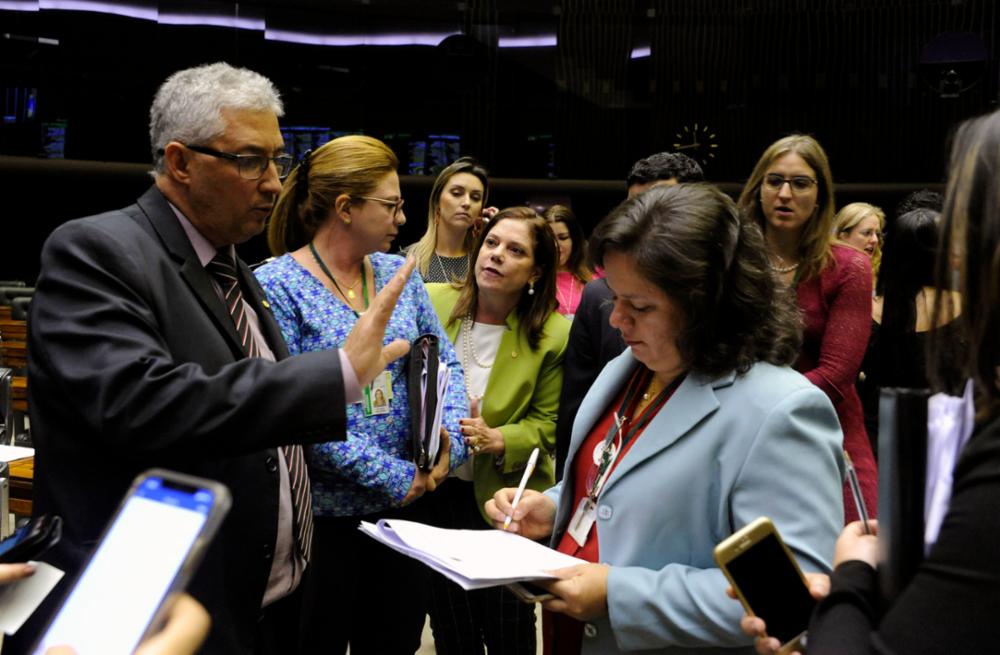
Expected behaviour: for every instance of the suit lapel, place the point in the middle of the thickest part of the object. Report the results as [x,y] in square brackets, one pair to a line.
[693,401]
[164,222]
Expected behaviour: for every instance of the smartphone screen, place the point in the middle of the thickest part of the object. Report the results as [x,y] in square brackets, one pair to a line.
[773,588]
[134,566]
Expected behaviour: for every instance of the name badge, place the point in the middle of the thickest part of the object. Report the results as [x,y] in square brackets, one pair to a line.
[377,396]
[582,521]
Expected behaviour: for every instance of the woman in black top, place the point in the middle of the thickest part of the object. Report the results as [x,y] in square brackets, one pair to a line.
[952,603]
[903,318]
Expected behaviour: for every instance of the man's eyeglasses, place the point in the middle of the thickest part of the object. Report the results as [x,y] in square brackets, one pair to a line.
[251,167]
[799,183]
[395,205]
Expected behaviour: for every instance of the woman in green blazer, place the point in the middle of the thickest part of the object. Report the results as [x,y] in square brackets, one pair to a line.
[511,342]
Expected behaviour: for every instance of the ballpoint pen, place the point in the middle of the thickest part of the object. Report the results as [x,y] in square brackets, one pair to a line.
[859,500]
[528,470]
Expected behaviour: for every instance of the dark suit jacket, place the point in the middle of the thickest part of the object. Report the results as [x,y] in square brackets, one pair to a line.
[135,363]
[592,344]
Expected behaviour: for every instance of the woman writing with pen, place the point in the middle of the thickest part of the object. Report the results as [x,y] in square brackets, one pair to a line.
[698,428]
[511,342]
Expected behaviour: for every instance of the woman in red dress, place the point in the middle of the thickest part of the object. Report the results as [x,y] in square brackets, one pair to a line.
[790,196]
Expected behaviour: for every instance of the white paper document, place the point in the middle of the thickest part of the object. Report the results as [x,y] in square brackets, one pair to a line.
[19,599]
[950,422]
[14,453]
[433,440]
[474,559]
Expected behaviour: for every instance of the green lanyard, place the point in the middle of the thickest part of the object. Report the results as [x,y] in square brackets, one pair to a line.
[364,283]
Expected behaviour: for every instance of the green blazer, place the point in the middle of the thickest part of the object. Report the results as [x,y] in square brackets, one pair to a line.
[521,399]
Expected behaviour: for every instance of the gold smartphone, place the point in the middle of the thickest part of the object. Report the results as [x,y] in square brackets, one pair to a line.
[768,581]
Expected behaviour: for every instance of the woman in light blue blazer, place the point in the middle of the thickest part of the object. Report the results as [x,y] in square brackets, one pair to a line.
[698,428]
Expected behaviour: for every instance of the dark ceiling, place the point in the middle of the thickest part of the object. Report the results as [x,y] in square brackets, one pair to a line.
[581,105]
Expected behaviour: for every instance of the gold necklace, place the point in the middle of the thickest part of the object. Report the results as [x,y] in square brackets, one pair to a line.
[652,389]
[350,289]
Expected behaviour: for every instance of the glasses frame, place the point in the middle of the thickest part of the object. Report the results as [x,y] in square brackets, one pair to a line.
[790,181]
[282,163]
[396,205]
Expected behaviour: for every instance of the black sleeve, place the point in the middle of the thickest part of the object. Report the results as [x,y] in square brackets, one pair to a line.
[952,604]
[121,349]
[580,368]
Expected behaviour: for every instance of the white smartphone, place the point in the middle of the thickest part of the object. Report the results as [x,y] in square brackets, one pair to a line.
[768,581]
[146,555]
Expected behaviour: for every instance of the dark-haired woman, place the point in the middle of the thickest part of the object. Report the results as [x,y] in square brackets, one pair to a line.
[454,215]
[908,293]
[902,320]
[789,196]
[574,271]
[694,431]
[336,217]
[511,342]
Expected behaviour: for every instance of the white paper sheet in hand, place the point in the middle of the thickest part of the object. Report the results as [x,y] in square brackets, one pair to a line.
[474,559]
[434,444]
[950,421]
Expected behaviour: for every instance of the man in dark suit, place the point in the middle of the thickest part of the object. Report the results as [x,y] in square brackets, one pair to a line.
[592,341]
[151,344]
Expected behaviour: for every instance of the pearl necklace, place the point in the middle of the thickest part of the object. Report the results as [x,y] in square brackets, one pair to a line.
[782,268]
[469,352]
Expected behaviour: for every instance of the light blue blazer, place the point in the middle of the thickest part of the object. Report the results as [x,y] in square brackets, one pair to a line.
[718,455]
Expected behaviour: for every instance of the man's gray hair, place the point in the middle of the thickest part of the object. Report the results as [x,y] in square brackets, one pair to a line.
[187,107]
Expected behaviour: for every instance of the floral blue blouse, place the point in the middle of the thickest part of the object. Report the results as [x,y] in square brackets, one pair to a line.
[373,469]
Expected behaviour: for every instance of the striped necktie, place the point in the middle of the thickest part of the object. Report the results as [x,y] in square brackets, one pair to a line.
[223,269]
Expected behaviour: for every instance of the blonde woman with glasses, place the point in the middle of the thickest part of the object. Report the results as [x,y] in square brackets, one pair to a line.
[862,225]
[790,196]
[338,213]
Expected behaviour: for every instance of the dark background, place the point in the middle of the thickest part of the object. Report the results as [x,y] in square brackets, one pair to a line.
[879,82]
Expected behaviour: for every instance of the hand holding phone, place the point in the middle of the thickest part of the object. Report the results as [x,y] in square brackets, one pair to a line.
[754,626]
[145,557]
[768,582]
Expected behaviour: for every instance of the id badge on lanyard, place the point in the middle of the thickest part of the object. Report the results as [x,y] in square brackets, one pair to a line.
[604,456]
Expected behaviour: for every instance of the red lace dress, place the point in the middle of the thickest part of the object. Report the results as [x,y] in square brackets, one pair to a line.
[837,314]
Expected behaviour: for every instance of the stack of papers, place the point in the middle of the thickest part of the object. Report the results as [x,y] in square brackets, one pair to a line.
[473,559]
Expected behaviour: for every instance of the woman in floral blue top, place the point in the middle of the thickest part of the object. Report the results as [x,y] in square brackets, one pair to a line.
[337,215]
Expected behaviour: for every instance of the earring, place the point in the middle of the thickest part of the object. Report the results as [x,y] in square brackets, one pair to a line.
[531,288]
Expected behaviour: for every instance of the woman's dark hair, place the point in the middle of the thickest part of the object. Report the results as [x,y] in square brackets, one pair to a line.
[689,241]
[577,264]
[970,248]
[907,267]
[534,309]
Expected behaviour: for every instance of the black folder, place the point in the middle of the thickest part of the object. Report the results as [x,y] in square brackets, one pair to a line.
[902,473]
[422,393]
